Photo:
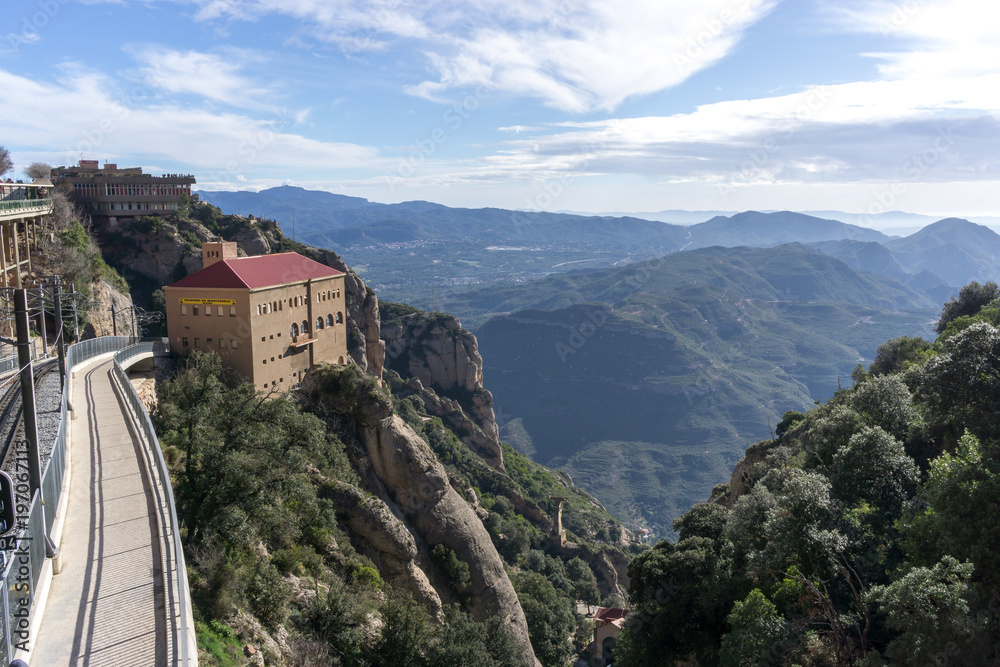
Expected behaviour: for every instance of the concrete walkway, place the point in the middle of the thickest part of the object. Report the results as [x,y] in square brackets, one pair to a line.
[106,606]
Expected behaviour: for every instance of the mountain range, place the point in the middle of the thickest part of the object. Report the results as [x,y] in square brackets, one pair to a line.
[412,249]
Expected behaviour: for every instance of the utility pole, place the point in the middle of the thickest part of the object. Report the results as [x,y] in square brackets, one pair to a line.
[41,322]
[76,322]
[114,318]
[27,390]
[60,338]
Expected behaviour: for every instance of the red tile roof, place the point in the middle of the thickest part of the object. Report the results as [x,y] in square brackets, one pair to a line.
[610,614]
[258,271]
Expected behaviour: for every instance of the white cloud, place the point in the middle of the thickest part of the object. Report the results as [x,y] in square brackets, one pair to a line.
[88,115]
[215,76]
[574,56]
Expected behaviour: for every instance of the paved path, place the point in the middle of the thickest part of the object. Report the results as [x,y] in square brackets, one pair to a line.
[106,606]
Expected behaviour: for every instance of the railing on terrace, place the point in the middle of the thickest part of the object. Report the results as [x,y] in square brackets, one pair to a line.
[23,566]
[24,205]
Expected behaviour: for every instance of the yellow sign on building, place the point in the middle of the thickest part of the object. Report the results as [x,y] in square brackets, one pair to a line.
[209,302]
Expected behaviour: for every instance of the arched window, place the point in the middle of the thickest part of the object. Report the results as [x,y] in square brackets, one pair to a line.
[319,323]
[232,311]
[274,306]
[329,320]
[295,329]
[340,318]
[305,327]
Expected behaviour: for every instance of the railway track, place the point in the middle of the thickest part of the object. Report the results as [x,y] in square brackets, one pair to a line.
[11,412]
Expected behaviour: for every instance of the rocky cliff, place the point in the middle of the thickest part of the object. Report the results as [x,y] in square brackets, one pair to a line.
[418,506]
[436,353]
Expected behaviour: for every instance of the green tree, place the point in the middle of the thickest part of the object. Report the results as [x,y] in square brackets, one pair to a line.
[928,607]
[404,636]
[702,520]
[875,468]
[549,615]
[897,355]
[885,401]
[757,627]
[970,300]
[961,388]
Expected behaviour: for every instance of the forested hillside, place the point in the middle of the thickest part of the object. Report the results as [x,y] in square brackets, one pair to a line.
[864,533]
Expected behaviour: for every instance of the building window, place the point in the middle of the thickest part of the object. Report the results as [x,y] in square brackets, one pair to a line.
[208,340]
[272,359]
[222,344]
[263,338]
[295,329]
[329,320]
[194,309]
[232,311]
[272,336]
[319,323]
[340,318]
[305,327]
[184,341]
[208,311]
[197,342]
[184,309]
[220,311]
[265,362]
[232,343]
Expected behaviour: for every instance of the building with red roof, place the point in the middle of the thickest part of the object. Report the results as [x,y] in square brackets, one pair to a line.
[270,317]
[608,624]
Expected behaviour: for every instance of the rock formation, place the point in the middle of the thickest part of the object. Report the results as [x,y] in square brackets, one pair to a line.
[434,350]
[396,465]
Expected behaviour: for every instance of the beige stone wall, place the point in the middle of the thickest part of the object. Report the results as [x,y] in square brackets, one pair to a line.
[266,352]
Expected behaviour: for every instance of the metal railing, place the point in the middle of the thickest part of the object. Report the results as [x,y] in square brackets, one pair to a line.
[22,567]
[180,614]
[21,204]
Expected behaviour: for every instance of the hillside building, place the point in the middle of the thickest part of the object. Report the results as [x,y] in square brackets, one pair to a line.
[109,192]
[23,209]
[270,317]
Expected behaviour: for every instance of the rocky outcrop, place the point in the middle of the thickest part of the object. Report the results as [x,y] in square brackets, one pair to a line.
[744,473]
[434,350]
[161,253]
[386,541]
[99,313]
[399,467]
[252,241]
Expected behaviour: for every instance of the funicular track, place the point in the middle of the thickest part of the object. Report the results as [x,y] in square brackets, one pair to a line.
[11,412]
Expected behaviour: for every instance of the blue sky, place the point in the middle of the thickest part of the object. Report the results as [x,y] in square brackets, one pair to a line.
[586,105]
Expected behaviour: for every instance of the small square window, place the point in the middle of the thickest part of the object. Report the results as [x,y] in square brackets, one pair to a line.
[279,356]
[194,309]
[184,309]
[233,343]
[184,341]
[265,362]
[208,340]
[272,358]
[272,336]
[197,342]
[263,338]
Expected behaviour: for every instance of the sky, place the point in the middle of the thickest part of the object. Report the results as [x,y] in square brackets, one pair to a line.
[583,105]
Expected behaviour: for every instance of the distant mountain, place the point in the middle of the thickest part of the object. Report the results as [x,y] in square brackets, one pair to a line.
[644,382]
[956,250]
[753,228]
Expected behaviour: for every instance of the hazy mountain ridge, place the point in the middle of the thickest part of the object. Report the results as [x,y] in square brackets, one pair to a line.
[411,246]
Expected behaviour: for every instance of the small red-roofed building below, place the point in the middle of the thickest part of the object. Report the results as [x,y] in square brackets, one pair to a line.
[608,624]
